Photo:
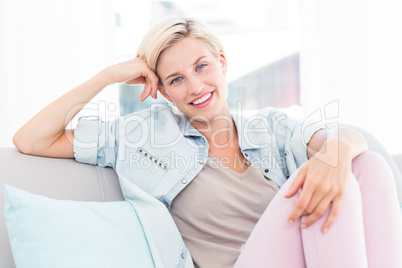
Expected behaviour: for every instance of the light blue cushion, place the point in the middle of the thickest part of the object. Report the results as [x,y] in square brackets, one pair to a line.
[56,233]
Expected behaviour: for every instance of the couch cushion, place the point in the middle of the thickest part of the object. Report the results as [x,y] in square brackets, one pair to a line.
[52,177]
[45,232]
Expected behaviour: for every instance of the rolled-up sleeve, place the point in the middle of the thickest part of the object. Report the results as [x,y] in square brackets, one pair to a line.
[293,136]
[95,141]
[299,138]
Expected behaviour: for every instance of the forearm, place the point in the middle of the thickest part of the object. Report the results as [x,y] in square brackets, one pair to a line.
[349,141]
[40,132]
[344,141]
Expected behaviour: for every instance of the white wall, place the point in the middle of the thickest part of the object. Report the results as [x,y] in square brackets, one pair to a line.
[351,52]
[46,48]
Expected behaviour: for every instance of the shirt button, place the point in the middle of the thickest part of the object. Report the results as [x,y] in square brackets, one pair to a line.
[184,181]
[246,155]
[266,170]
[183,256]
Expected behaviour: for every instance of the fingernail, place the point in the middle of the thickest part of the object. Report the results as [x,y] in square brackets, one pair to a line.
[325,230]
[303,226]
[290,221]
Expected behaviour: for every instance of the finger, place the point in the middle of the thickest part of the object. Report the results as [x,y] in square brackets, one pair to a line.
[136,81]
[147,88]
[153,89]
[154,80]
[317,213]
[301,204]
[320,192]
[151,79]
[149,83]
[145,92]
[297,183]
[336,206]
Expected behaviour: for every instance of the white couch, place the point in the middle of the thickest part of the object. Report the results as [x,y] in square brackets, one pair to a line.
[68,179]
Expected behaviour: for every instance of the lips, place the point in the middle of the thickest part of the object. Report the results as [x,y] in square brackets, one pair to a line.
[203,101]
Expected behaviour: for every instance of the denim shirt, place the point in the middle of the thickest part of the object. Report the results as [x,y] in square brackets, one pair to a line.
[160,152]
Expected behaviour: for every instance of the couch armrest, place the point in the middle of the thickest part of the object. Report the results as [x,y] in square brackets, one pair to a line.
[398,161]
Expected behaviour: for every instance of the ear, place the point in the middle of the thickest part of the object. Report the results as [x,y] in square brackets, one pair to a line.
[222,61]
[164,94]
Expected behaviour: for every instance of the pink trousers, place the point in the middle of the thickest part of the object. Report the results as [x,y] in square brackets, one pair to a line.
[366,233]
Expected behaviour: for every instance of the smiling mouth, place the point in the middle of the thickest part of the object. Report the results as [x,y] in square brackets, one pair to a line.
[203,99]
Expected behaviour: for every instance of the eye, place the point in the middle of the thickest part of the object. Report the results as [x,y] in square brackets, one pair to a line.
[177,79]
[201,66]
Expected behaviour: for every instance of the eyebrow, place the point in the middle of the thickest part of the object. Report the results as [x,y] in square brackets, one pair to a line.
[195,63]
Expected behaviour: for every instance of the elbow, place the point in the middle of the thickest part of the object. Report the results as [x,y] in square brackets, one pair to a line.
[19,143]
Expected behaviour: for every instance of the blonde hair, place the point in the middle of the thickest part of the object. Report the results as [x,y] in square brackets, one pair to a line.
[168,32]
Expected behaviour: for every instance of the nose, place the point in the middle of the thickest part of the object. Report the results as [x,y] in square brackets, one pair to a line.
[194,85]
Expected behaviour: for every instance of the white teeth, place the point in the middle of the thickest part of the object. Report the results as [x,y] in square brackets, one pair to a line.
[203,99]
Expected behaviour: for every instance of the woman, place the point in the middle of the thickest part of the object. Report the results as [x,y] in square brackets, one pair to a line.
[244,191]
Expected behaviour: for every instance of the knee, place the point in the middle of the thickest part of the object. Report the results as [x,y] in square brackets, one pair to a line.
[370,161]
[370,156]
[373,167]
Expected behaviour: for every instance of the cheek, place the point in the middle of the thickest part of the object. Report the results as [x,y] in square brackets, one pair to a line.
[225,90]
[218,76]
[176,95]
[220,80]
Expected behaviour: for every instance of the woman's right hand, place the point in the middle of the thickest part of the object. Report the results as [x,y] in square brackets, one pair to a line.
[135,71]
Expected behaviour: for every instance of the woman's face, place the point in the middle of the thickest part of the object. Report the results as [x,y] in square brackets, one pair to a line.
[194,79]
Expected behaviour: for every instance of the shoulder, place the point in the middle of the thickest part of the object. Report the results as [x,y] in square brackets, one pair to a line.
[273,113]
[161,112]
[155,111]
[156,119]
[262,118]
[155,114]
[268,113]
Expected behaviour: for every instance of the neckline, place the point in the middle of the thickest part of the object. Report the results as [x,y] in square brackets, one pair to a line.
[228,169]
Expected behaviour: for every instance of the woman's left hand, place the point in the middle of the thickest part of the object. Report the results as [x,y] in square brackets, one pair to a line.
[323,180]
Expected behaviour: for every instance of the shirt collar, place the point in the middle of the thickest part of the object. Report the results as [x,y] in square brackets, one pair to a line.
[186,128]
[245,130]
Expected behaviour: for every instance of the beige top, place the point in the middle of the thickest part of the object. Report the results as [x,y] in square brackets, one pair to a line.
[217,211]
